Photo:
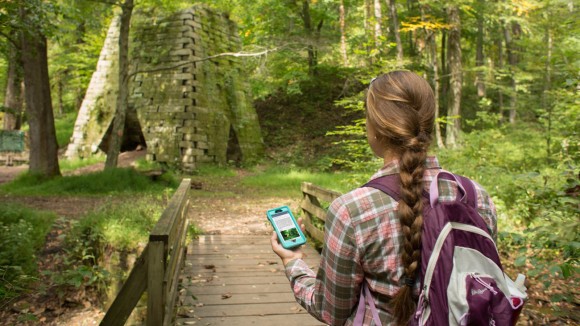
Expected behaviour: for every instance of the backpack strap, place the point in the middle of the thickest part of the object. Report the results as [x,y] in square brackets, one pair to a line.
[466,191]
[365,295]
[469,189]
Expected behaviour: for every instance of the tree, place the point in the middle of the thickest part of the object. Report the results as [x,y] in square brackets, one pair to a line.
[510,31]
[395,25]
[479,57]
[456,77]
[342,15]
[378,22]
[43,146]
[13,100]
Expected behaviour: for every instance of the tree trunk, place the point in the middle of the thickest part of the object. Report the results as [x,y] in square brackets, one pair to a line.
[395,26]
[547,86]
[480,76]
[378,22]
[444,68]
[368,30]
[342,18]
[60,94]
[13,100]
[500,67]
[42,135]
[512,62]
[311,49]
[123,95]
[456,79]
[431,46]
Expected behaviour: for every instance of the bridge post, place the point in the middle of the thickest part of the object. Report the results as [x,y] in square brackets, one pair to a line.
[155,291]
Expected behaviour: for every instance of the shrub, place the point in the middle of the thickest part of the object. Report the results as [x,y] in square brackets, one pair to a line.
[22,234]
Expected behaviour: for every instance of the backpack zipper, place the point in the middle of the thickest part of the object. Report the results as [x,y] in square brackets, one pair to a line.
[486,285]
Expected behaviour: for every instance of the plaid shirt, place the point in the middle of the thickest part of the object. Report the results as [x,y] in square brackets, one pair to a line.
[363,242]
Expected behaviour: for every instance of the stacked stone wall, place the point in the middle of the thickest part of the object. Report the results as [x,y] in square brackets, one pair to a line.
[189,107]
[97,109]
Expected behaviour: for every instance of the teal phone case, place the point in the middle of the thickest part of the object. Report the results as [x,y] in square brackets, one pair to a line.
[290,236]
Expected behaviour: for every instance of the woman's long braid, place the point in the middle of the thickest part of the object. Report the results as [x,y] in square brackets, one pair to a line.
[401,107]
[411,216]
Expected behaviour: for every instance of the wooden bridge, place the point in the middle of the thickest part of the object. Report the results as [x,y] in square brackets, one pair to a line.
[216,279]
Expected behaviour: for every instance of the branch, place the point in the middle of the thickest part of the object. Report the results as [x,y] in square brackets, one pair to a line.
[10,39]
[225,54]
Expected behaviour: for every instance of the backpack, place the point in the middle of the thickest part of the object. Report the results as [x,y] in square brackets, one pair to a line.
[462,280]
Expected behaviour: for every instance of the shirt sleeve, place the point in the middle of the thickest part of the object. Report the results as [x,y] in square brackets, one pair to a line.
[332,294]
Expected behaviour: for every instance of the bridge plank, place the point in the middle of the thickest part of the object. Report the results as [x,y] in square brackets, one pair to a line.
[278,320]
[217,299]
[238,280]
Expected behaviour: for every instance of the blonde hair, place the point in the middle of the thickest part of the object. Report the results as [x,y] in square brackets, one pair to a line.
[401,108]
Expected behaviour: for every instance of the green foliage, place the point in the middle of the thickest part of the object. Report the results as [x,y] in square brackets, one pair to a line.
[110,181]
[64,126]
[22,234]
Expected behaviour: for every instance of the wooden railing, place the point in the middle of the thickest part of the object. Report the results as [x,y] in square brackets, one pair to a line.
[157,269]
[313,210]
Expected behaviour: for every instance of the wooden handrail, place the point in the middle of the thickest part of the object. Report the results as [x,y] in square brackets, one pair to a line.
[313,211]
[157,269]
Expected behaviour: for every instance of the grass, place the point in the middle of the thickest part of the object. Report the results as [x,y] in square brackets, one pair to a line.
[22,234]
[279,181]
[215,171]
[108,182]
[122,226]
[73,164]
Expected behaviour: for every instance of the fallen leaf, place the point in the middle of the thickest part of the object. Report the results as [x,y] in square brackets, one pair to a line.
[226,296]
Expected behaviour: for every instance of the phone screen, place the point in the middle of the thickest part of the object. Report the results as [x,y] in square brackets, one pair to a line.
[286,226]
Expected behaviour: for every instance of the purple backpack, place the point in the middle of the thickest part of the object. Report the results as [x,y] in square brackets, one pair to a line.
[462,280]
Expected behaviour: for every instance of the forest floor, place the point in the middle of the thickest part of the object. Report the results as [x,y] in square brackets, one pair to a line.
[235,209]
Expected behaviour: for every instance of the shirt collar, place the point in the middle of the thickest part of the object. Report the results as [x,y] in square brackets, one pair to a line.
[393,167]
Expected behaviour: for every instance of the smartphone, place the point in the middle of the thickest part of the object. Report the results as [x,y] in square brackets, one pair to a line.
[289,233]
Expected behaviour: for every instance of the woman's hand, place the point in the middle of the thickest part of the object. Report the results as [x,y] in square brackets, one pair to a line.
[285,254]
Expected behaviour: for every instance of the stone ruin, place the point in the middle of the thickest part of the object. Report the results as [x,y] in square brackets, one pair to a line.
[197,111]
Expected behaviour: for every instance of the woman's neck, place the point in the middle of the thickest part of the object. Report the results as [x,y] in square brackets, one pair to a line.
[389,157]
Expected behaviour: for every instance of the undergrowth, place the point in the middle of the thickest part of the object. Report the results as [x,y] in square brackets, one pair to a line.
[22,234]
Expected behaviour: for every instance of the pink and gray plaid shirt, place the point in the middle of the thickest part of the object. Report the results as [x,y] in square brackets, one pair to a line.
[362,242]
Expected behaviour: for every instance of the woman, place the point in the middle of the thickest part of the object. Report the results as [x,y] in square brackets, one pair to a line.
[369,237]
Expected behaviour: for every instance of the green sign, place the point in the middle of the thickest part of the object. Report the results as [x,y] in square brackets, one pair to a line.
[11,141]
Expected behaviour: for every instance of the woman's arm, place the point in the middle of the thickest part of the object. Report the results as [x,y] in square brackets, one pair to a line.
[332,293]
